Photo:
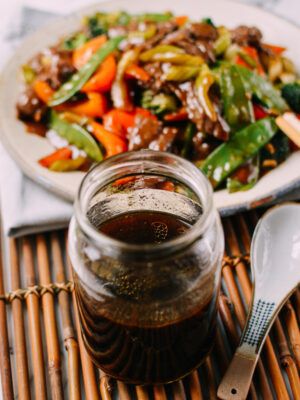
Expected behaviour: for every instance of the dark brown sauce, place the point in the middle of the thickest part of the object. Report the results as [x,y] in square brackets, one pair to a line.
[156,352]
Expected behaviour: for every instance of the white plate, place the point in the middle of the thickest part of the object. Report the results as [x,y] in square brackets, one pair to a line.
[26,149]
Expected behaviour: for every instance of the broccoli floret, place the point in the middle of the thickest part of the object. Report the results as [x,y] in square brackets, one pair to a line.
[100,23]
[159,103]
[291,94]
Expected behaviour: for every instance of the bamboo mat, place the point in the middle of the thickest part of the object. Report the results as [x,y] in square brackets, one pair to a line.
[42,355]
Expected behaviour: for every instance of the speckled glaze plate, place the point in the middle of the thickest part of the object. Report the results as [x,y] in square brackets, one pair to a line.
[26,149]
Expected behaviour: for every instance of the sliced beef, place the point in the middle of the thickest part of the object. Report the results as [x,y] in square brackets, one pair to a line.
[29,107]
[246,36]
[54,66]
[186,94]
[163,29]
[165,139]
[202,146]
[155,71]
[145,130]
[203,31]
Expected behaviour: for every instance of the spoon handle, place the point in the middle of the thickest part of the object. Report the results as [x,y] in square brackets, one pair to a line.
[236,382]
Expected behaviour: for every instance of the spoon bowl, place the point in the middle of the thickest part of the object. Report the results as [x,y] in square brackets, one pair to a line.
[275,263]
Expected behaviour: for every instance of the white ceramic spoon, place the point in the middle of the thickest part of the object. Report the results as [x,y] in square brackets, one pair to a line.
[275,261]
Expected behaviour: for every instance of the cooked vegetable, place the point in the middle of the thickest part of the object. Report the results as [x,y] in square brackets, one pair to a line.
[119,92]
[83,54]
[94,106]
[223,41]
[245,177]
[136,72]
[237,105]
[112,143]
[180,73]
[43,90]
[263,90]
[67,165]
[74,41]
[61,154]
[189,133]
[76,135]
[172,54]
[168,83]
[68,89]
[203,83]
[158,103]
[28,74]
[291,94]
[103,78]
[243,145]
[118,121]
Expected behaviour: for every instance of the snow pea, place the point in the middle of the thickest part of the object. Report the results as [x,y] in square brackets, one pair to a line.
[262,89]
[243,145]
[180,73]
[67,165]
[77,80]
[76,135]
[172,54]
[238,108]
[189,133]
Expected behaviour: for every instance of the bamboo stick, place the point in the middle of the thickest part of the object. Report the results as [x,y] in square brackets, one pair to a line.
[5,365]
[19,332]
[293,331]
[159,392]
[123,392]
[52,343]
[70,341]
[210,381]
[142,393]
[88,370]
[35,337]
[195,387]
[286,359]
[105,386]
[178,391]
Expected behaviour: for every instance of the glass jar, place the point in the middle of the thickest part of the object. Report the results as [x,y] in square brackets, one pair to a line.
[146,245]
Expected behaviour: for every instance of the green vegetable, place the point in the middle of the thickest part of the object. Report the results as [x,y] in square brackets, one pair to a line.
[208,21]
[75,83]
[233,184]
[154,17]
[75,135]
[248,59]
[291,93]
[238,108]
[189,133]
[119,91]
[223,42]
[172,54]
[67,165]
[280,144]
[243,145]
[28,74]
[75,41]
[263,90]
[203,83]
[143,35]
[158,103]
[180,73]
[100,23]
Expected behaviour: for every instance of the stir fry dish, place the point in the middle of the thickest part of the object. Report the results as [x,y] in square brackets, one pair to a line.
[129,82]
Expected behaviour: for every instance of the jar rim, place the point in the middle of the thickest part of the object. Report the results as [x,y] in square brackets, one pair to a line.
[102,241]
